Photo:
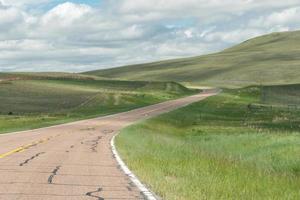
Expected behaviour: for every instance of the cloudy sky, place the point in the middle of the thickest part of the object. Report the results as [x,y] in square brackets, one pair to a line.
[80,35]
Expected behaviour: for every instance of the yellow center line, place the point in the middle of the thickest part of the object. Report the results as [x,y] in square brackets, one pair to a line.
[27,146]
[11,152]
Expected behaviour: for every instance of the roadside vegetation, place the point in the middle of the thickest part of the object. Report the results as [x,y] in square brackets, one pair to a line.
[230,146]
[38,100]
[288,95]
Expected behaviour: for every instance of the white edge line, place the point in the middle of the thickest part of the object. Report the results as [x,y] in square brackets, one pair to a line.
[72,122]
[85,120]
[143,189]
[80,120]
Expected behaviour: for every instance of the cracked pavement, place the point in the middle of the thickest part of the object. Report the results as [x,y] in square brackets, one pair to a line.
[73,161]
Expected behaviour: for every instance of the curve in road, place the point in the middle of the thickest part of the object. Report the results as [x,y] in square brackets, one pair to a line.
[73,161]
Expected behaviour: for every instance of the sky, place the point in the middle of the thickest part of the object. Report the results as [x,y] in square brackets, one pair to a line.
[78,35]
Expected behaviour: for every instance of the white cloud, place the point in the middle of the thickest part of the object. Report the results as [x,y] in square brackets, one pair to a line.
[188,33]
[22,2]
[9,15]
[65,14]
[77,37]
[283,19]
[198,8]
[25,45]
[233,36]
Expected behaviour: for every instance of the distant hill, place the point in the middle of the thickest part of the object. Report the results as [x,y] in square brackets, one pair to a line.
[33,100]
[268,59]
[44,75]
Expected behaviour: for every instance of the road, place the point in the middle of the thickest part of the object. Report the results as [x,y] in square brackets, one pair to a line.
[73,161]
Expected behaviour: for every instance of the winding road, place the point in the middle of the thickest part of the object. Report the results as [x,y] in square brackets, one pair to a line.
[73,161]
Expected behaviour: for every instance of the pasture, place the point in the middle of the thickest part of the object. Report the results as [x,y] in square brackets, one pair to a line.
[29,102]
[218,149]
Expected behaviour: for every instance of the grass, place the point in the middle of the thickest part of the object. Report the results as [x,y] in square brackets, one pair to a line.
[36,101]
[218,148]
[282,94]
[268,60]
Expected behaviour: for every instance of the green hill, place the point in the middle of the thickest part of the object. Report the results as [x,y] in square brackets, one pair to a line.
[269,59]
[44,75]
[41,99]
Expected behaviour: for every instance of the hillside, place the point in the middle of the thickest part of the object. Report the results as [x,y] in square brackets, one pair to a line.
[268,59]
[4,76]
[37,100]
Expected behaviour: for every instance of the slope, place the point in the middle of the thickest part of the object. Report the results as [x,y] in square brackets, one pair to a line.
[268,59]
[36,101]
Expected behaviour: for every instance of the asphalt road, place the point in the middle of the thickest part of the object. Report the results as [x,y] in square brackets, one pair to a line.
[73,161]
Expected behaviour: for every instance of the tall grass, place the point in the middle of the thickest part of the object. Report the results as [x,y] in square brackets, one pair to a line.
[218,149]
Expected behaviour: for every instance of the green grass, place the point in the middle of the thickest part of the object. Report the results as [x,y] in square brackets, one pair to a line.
[282,95]
[270,59]
[218,149]
[31,102]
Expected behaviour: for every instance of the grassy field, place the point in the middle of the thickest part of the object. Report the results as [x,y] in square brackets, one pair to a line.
[28,102]
[219,148]
[288,95]
[270,59]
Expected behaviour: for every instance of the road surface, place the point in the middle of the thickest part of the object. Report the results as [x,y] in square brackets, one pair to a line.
[73,161]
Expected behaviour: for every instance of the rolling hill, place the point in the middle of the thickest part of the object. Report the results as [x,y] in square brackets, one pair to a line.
[269,59]
[42,99]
